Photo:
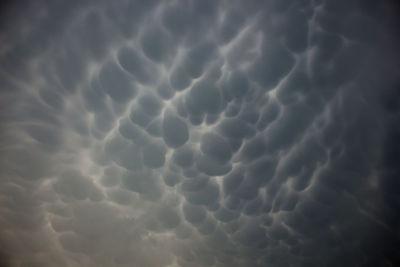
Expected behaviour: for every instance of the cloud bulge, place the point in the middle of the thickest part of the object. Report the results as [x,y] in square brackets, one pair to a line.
[199,133]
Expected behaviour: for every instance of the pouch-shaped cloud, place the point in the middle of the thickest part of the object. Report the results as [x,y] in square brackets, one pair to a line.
[199,133]
[175,131]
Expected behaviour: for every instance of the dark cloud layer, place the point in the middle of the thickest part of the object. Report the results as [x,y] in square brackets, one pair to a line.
[199,133]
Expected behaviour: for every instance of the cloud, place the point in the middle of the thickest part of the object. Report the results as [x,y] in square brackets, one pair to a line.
[175,131]
[199,133]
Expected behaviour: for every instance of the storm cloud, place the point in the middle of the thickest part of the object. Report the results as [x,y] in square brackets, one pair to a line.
[199,133]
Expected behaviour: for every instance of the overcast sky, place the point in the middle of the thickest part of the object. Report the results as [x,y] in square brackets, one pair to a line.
[199,133]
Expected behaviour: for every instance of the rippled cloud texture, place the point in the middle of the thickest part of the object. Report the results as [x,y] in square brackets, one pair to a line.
[199,133]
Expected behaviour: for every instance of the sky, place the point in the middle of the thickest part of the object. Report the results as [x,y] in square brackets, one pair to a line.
[199,133]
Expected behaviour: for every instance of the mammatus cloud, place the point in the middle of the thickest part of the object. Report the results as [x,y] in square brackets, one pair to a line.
[199,133]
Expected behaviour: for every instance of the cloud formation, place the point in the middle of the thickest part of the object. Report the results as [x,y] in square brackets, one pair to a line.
[199,133]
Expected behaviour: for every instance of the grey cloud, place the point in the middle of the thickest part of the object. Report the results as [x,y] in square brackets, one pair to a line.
[52,98]
[31,164]
[179,79]
[176,19]
[253,149]
[197,58]
[165,91]
[92,35]
[121,197]
[169,217]
[275,62]
[235,128]
[194,184]
[225,215]
[115,83]
[140,117]
[153,155]
[199,133]
[145,183]
[238,84]
[212,167]
[297,83]
[48,136]
[232,107]
[130,131]
[72,184]
[171,179]
[94,96]
[215,147]
[296,40]
[231,25]
[133,63]
[207,227]
[291,126]
[233,180]
[253,207]
[252,235]
[184,156]
[269,114]
[194,214]
[175,130]
[155,128]
[203,97]
[150,104]
[208,195]
[154,43]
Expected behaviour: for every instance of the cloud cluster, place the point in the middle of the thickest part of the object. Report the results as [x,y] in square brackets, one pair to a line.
[199,133]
